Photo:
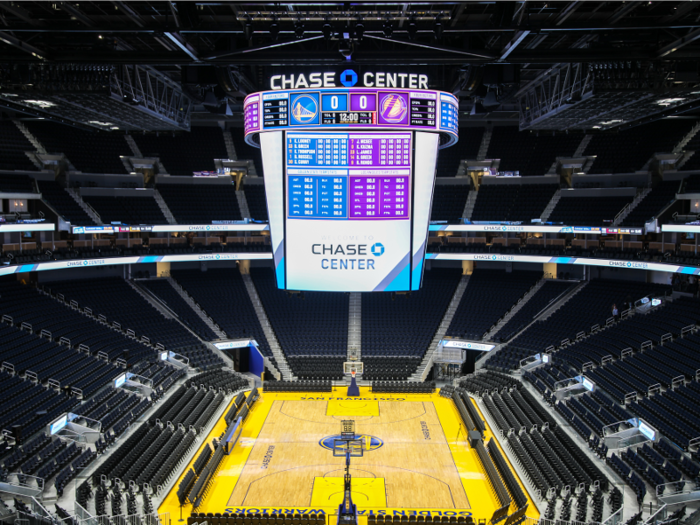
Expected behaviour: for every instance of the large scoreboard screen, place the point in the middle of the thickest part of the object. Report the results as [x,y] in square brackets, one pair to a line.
[349,180]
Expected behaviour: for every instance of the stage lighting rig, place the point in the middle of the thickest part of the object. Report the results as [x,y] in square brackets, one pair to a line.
[299,30]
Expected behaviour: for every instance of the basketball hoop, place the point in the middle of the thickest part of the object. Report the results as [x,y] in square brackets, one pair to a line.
[352,368]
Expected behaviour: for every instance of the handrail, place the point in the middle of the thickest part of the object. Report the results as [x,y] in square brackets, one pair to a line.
[554,301]
[623,210]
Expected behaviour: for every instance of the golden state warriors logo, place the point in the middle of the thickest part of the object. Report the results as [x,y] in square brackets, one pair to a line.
[393,108]
[369,443]
[304,109]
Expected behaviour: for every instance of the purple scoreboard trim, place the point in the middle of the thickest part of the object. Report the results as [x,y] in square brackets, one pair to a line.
[370,101]
[393,108]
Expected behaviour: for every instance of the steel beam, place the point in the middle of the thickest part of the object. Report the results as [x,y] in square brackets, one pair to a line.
[515,42]
[692,36]
[19,44]
[77,14]
[180,42]
[20,13]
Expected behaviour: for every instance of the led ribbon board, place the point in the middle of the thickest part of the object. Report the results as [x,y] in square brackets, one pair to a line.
[349,177]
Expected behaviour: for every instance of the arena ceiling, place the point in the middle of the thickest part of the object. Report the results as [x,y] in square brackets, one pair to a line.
[546,65]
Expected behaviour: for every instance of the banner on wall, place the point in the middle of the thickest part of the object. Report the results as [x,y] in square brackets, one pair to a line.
[171,228]
[581,261]
[503,228]
[537,259]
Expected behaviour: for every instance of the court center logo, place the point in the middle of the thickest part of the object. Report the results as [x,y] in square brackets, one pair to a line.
[393,108]
[305,109]
[377,249]
[374,442]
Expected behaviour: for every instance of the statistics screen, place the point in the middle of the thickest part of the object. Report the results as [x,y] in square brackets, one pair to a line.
[348,210]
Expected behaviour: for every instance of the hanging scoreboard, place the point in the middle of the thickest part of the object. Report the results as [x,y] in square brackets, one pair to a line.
[349,177]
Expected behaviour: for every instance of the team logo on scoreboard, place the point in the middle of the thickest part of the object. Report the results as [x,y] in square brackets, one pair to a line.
[304,109]
[393,108]
[369,443]
[377,249]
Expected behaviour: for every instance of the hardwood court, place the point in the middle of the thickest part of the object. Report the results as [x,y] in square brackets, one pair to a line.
[416,457]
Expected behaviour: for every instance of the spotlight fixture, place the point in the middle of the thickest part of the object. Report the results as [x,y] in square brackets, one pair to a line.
[412,29]
[437,29]
[274,30]
[388,29]
[327,30]
[346,48]
[299,30]
[248,28]
[359,31]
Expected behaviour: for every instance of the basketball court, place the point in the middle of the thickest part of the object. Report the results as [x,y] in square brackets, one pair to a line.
[414,458]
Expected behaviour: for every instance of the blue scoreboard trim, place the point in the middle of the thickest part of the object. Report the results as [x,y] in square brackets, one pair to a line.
[306,106]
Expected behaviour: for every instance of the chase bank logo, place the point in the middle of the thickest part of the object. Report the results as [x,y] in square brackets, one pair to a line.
[348,78]
[494,257]
[374,442]
[305,109]
[85,263]
[629,265]
[377,249]
[218,256]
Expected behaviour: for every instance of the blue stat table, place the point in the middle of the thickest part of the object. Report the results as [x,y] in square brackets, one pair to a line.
[449,114]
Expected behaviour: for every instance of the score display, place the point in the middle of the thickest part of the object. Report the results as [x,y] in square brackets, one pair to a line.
[349,176]
[352,107]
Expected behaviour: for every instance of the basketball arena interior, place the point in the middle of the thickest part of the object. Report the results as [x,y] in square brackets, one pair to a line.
[349,263]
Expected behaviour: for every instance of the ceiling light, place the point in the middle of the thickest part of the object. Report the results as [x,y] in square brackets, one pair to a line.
[327,30]
[359,30]
[437,29]
[248,28]
[274,31]
[388,29]
[41,103]
[668,101]
[412,29]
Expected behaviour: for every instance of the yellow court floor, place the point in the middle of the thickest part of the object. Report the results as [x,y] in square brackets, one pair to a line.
[416,458]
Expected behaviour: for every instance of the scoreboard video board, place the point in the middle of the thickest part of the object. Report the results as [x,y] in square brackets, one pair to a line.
[349,178]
